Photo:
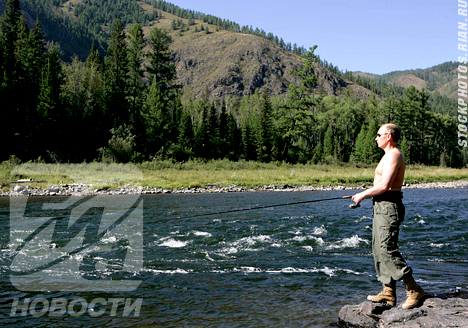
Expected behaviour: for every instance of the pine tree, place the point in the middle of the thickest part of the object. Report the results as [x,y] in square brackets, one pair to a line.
[160,68]
[373,152]
[202,137]
[360,150]
[136,86]
[213,132]
[250,141]
[33,63]
[10,89]
[116,77]
[157,119]
[296,116]
[9,35]
[233,138]
[328,144]
[404,148]
[49,105]
[266,129]
[186,135]
[94,58]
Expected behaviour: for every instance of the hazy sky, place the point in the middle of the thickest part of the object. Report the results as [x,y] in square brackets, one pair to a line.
[370,36]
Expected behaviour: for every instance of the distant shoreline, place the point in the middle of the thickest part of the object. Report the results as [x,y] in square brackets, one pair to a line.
[87,190]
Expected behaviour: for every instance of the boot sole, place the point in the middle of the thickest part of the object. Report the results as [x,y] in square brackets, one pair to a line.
[382,302]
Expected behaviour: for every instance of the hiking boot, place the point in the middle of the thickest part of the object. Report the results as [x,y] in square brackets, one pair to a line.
[414,294]
[386,296]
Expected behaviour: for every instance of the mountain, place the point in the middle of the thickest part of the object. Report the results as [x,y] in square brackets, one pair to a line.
[208,56]
[440,78]
[229,63]
[211,54]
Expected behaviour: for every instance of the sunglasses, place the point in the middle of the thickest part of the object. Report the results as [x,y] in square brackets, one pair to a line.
[379,135]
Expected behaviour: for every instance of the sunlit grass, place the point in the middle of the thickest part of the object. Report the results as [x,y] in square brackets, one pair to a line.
[222,173]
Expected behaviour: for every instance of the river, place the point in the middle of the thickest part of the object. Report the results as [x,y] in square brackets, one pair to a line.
[290,266]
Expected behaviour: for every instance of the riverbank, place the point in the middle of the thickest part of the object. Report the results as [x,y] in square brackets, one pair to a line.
[210,177]
[78,189]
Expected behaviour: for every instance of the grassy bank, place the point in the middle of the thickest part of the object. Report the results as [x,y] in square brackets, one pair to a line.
[251,174]
[169,175]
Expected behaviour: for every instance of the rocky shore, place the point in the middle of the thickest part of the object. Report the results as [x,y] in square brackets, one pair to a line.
[444,310]
[82,189]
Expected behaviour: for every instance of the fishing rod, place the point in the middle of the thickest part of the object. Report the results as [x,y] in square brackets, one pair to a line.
[352,206]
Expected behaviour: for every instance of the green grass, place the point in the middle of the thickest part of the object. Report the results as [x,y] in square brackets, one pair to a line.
[170,175]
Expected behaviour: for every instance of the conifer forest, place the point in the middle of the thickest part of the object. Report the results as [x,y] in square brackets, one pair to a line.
[117,100]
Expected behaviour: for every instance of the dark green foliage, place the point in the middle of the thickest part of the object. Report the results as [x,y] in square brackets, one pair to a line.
[297,114]
[110,110]
[161,69]
[266,130]
[116,73]
[136,87]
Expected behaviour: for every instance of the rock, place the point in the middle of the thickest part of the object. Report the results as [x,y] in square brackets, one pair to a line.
[18,188]
[399,315]
[351,316]
[443,310]
[372,308]
[54,189]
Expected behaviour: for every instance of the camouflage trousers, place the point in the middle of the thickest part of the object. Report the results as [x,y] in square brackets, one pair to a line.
[389,213]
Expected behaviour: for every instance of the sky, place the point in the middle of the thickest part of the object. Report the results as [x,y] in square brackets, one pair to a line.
[369,36]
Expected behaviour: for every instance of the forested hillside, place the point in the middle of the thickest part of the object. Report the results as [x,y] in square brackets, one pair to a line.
[129,104]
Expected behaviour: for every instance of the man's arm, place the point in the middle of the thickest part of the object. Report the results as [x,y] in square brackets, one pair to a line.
[391,165]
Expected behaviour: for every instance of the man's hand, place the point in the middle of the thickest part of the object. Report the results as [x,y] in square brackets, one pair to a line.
[358,197]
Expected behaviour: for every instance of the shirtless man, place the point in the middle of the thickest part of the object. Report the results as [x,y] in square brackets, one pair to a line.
[389,212]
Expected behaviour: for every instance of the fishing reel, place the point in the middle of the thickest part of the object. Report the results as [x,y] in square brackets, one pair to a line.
[353,206]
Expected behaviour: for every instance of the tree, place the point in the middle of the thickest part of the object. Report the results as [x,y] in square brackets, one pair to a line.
[296,116]
[49,104]
[116,77]
[250,141]
[135,73]
[373,152]
[161,70]
[94,58]
[404,148]
[9,34]
[265,139]
[157,119]
[328,144]
[33,61]
[360,150]
[233,138]
[186,135]
[9,79]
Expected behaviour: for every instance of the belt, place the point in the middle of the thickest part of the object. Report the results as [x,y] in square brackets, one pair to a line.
[389,196]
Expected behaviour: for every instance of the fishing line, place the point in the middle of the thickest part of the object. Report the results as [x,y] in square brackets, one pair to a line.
[352,206]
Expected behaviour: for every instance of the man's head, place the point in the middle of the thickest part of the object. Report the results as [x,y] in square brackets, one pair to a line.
[388,133]
[394,131]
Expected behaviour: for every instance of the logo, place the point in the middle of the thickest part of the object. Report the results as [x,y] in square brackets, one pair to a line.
[82,242]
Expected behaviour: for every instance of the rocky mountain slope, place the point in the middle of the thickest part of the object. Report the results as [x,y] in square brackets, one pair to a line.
[236,64]
[439,78]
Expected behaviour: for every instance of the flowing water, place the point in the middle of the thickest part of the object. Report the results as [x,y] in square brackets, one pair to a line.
[291,266]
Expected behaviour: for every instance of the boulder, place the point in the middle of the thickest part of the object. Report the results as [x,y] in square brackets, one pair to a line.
[444,310]
[18,188]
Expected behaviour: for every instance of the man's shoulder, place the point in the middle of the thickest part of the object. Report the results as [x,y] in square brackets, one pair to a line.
[394,155]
